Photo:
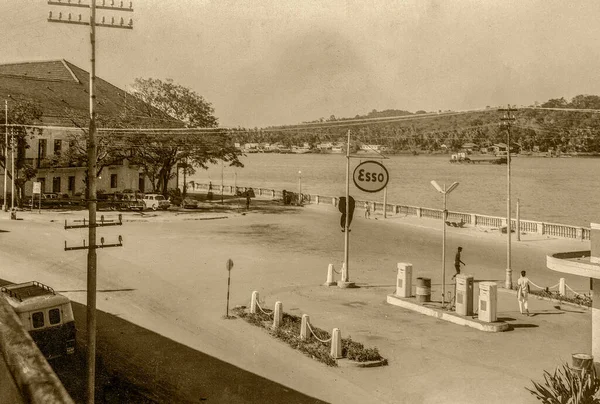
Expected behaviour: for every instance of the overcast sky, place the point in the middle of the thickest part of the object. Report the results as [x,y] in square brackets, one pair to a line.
[270,62]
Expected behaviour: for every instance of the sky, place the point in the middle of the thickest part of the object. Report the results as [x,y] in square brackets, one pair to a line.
[275,62]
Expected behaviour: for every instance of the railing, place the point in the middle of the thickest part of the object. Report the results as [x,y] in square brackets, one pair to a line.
[528,226]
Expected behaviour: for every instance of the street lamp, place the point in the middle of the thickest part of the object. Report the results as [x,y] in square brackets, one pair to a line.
[444,191]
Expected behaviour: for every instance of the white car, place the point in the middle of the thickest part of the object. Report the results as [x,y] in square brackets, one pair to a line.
[156,201]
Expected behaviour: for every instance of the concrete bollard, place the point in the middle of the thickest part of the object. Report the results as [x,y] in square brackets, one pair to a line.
[304,332]
[278,315]
[336,344]
[562,288]
[330,281]
[253,302]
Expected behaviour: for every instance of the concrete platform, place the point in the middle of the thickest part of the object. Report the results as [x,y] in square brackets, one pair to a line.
[430,310]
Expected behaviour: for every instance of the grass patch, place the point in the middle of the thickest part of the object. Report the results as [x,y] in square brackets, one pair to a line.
[289,332]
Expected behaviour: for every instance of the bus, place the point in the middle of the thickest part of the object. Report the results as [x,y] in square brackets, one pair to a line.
[45,314]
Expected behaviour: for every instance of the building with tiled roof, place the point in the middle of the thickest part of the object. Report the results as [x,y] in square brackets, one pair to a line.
[61,89]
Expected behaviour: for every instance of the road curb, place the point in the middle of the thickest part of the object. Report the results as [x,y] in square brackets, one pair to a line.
[497,326]
[347,363]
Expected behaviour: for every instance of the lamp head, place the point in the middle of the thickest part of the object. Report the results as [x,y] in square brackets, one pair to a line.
[436,186]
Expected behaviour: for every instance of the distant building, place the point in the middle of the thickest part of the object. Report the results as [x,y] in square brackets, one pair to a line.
[61,89]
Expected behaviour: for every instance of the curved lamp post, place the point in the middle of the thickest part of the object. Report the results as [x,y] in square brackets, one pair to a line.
[444,191]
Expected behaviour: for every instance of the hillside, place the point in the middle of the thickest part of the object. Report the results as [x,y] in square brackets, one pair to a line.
[559,125]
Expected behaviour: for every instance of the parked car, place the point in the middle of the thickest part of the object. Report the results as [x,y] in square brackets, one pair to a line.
[156,201]
[131,201]
[189,203]
[105,202]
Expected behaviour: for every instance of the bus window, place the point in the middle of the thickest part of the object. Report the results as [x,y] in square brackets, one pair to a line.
[38,319]
[54,316]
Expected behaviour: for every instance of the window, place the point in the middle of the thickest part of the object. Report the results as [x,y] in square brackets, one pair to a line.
[38,319]
[113,180]
[54,316]
[71,183]
[57,146]
[42,148]
[56,184]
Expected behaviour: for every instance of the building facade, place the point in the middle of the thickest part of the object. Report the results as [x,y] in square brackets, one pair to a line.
[61,90]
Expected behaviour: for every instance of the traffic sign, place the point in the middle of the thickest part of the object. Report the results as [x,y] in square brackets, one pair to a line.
[370,176]
[229,264]
[37,187]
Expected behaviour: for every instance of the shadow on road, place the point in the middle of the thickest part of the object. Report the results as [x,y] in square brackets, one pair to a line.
[136,365]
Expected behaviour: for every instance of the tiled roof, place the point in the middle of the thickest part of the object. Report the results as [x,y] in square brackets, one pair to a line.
[62,91]
[50,70]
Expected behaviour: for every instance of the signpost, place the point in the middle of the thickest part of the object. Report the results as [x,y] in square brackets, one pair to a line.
[370,176]
[228,265]
[37,189]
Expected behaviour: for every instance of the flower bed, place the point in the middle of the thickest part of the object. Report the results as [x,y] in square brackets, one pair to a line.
[289,332]
[582,300]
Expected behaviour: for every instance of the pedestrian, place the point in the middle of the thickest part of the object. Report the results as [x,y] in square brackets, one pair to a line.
[247,200]
[367,210]
[523,292]
[457,262]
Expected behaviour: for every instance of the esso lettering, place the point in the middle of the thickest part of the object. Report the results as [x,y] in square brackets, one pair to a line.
[370,176]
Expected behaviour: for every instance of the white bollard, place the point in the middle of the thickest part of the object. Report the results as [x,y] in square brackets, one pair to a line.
[562,288]
[330,280]
[278,315]
[304,333]
[336,344]
[253,302]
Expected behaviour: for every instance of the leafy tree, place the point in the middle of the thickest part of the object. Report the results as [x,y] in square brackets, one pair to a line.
[177,101]
[22,113]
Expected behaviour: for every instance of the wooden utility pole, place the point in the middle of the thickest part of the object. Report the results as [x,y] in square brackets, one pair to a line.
[91,184]
[506,123]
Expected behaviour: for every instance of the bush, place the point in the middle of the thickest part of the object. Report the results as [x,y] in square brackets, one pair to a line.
[567,385]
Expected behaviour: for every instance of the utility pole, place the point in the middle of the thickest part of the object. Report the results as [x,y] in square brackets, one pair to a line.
[506,123]
[91,259]
[12,169]
[4,204]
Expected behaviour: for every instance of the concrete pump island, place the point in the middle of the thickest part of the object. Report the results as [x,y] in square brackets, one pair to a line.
[170,279]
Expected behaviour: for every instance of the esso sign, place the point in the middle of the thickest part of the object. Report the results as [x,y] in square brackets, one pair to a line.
[370,176]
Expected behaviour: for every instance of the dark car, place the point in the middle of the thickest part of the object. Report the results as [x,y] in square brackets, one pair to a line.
[131,201]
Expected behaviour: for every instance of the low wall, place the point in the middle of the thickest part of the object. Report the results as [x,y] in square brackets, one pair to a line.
[25,375]
[528,226]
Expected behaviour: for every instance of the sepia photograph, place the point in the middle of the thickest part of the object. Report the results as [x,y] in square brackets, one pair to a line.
[299,202]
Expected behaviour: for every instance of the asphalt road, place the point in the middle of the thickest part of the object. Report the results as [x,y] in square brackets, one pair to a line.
[170,280]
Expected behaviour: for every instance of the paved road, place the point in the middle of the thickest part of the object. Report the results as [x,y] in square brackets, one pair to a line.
[170,278]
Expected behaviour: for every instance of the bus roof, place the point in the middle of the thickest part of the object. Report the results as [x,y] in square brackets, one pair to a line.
[31,296]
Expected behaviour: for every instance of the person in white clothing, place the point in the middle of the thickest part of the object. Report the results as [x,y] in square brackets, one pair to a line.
[523,292]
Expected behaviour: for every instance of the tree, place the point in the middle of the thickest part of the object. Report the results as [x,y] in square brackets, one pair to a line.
[160,152]
[22,114]
[177,101]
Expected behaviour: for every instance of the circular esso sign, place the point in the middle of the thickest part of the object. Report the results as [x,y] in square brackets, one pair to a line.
[370,176]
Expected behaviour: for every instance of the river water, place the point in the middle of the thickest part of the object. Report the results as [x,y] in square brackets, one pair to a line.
[556,190]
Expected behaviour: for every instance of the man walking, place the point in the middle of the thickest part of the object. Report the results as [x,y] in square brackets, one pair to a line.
[457,262]
[523,292]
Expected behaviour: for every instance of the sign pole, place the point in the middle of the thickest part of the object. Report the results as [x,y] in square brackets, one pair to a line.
[346,277]
[229,265]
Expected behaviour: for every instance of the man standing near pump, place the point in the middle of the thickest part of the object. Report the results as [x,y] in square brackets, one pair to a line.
[457,262]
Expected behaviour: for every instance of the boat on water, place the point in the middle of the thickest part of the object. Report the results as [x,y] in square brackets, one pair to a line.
[461,158]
